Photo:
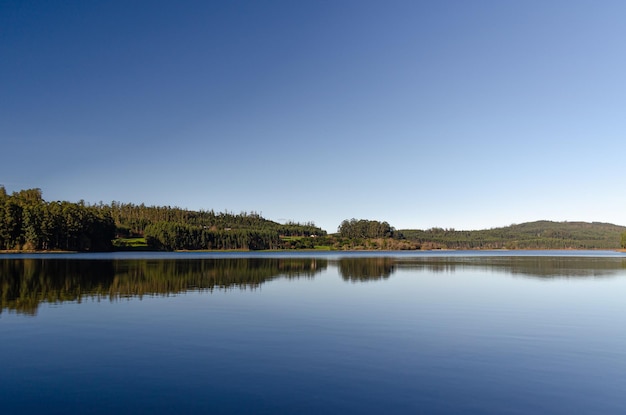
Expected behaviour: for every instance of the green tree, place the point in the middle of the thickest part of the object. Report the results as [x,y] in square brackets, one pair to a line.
[363,228]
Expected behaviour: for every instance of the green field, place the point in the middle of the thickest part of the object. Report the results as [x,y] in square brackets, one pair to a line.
[130,244]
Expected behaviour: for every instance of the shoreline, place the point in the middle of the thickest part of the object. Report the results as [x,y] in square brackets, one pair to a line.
[14,251]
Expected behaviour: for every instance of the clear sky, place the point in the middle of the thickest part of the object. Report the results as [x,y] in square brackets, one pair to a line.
[456,114]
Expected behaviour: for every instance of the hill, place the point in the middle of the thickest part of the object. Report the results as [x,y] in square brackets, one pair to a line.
[29,223]
[531,235]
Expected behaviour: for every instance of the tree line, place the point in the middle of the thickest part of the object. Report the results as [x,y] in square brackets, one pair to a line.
[27,222]
[364,228]
[530,235]
[172,236]
[172,228]
[132,220]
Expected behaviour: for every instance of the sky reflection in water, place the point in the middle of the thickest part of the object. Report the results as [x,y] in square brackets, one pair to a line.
[373,334]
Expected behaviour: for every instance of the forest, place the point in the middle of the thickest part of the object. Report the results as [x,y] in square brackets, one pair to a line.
[29,223]
[364,228]
[529,235]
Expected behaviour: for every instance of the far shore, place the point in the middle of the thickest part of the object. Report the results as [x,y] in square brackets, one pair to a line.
[15,251]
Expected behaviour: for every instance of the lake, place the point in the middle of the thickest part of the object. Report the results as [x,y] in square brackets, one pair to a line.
[501,332]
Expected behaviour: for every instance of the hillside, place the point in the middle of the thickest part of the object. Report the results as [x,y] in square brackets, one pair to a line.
[531,235]
[29,223]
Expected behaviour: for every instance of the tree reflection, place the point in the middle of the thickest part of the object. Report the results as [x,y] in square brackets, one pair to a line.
[25,283]
[366,269]
[544,267]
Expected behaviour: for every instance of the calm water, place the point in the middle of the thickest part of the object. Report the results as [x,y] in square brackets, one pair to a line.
[434,333]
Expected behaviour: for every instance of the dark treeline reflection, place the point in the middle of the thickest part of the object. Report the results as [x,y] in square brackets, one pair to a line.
[544,267]
[366,269]
[25,283]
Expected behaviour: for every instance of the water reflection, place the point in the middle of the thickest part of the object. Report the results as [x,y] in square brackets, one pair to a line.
[543,267]
[25,283]
[366,269]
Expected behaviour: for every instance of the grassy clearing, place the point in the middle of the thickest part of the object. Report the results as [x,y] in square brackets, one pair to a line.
[130,244]
[291,238]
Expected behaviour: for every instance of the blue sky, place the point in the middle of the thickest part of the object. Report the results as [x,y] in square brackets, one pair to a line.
[456,114]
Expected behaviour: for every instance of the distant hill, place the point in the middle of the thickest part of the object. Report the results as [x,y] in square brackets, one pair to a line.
[531,235]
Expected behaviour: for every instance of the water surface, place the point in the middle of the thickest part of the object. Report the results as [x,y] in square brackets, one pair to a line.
[436,333]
